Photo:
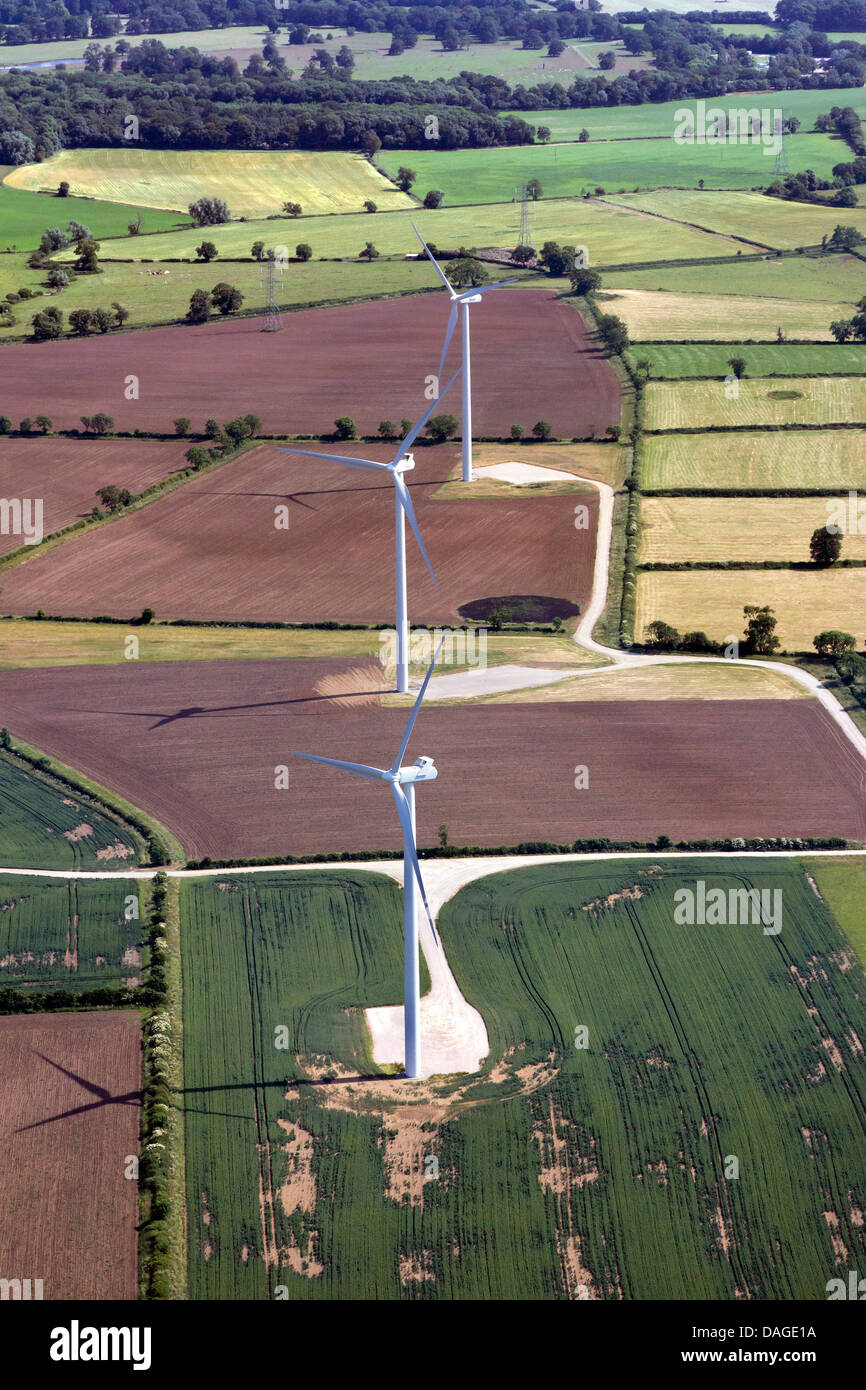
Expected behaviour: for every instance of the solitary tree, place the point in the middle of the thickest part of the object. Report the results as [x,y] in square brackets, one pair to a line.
[81,322]
[405,178]
[760,630]
[43,423]
[533,189]
[543,132]
[584,280]
[825,546]
[181,426]
[543,430]
[467,271]
[257,250]
[57,278]
[369,205]
[199,307]
[63,189]
[207,251]
[613,333]
[345,427]
[737,366]
[209,212]
[433,199]
[386,429]
[293,209]
[660,634]
[227,298]
[120,313]
[517,433]
[113,498]
[834,643]
[47,324]
[442,427]
[304,251]
[522,254]
[369,253]
[88,253]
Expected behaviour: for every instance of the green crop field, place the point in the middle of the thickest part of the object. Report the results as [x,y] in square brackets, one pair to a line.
[490,175]
[830,279]
[842,883]
[760,459]
[310,952]
[612,235]
[674,360]
[805,602]
[25,216]
[160,294]
[660,119]
[652,314]
[718,529]
[780,401]
[702,1043]
[753,216]
[70,934]
[45,826]
[254,183]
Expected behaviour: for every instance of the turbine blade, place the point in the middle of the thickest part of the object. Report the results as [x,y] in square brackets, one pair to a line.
[410,722]
[406,503]
[482,289]
[371,774]
[436,266]
[449,334]
[409,848]
[419,424]
[335,458]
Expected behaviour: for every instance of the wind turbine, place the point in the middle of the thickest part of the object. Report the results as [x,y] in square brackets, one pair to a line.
[402,781]
[401,463]
[472,296]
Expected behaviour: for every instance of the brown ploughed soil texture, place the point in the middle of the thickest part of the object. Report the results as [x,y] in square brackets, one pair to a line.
[531,359]
[211,549]
[65,474]
[199,744]
[69,1116]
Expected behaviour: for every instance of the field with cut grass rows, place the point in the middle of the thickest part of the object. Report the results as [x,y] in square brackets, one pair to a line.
[254,183]
[762,459]
[675,360]
[737,528]
[650,314]
[805,602]
[781,401]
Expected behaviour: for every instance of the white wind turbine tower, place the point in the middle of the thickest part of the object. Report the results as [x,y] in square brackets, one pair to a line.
[468,297]
[402,781]
[401,463]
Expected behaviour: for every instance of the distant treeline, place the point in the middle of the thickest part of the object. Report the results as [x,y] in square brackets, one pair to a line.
[184,99]
[26,21]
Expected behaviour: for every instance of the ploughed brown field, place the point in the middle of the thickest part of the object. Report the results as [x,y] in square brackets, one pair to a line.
[210,550]
[198,745]
[65,474]
[531,359]
[69,1116]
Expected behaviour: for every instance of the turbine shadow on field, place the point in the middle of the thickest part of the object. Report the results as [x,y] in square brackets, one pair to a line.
[104,1096]
[193,711]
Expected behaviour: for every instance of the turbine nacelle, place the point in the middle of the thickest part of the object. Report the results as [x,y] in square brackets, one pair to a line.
[405,464]
[422,770]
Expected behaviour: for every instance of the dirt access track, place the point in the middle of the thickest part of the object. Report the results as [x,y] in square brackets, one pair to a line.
[211,550]
[69,1116]
[532,359]
[198,746]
